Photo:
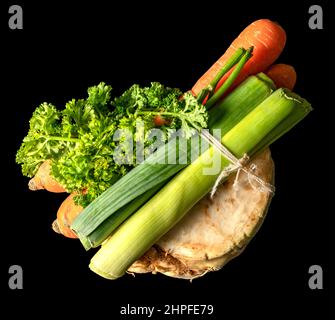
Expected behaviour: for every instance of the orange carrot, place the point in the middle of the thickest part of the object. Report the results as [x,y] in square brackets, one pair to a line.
[44,180]
[283,75]
[268,39]
[160,121]
[67,212]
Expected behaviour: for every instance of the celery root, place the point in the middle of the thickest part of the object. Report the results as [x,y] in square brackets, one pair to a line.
[215,230]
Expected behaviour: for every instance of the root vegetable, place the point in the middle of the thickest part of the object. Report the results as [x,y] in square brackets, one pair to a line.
[44,180]
[283,75]
[267,39]
[67,212]
[214,231]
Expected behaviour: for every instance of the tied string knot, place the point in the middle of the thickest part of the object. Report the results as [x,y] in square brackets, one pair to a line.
[237,165]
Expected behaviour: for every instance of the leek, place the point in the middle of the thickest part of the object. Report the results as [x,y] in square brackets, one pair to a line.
[109,225]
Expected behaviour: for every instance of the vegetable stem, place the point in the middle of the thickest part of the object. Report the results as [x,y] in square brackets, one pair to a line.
[162,113]
[235,58]
[61,138]
[204,93]
[219,93]
[172,115]
[208,91]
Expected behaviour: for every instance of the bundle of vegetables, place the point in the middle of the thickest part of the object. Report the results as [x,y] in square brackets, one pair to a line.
[91,225]
[130,204]
[266,123]
[107,212]
[89,145]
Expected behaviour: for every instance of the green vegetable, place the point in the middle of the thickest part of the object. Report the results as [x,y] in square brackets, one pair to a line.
[144,103]
[109,225]
[87,141]
[170,204]
[226,85]
[155,170]
[232,61]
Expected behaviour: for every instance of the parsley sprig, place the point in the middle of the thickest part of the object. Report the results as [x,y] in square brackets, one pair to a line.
[80,138]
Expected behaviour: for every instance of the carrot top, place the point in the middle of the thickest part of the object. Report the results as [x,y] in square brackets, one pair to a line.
[268,40]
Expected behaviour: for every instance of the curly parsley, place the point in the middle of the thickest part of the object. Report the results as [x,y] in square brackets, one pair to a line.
[80,139]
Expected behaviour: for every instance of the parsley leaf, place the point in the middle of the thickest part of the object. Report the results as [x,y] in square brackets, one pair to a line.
[80,139]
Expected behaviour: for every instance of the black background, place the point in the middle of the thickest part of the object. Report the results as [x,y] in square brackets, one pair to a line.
[64,49]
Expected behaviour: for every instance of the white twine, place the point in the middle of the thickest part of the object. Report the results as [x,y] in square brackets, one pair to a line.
[236,165]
